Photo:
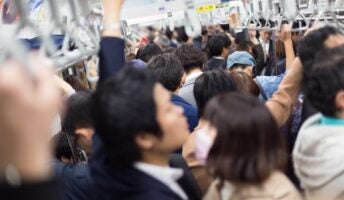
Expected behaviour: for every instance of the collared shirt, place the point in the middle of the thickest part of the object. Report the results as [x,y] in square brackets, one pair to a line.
[331,121]
[266,47]
[166,175]
[218,57]
[192,76]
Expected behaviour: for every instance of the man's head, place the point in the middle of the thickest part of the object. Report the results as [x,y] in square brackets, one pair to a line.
[318,40]
[162,41]
[168,70]
[218,45]
[210,84]
[191,57]
[136,120]
[265,35]
[325,85]
[77,120]
[241,61]
[145,53]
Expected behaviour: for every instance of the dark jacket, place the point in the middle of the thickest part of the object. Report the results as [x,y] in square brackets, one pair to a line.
[190,112]
[75,179]
[215,63]
[111,57]
[38,191]
[124,184]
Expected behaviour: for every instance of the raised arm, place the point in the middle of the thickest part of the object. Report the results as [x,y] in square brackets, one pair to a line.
[285,37]
[282,101]
[111,55]
[28,104]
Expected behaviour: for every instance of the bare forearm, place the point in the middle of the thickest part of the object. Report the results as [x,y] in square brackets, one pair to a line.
[112,10]
[289,52]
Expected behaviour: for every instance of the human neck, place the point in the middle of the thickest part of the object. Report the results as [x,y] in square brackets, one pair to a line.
[223,55]
[195,70]
[264,39]
[202,121]
[158,159]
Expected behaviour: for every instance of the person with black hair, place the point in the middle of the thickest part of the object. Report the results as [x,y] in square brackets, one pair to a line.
[218,49]
[207,86]
[62,150]
[169,72]
[77,126]
[172,36]
[320,141]
[309,46]
[147,52]
[77,121]
[248,154]
[182,37]
[137,149]
[192,60]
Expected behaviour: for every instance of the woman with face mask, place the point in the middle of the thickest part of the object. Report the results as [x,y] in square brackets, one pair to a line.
[248,153]
[207,86]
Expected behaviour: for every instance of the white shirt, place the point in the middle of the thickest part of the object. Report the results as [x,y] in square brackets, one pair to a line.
[266,47]
[166,175]
[218,57]
[193,75]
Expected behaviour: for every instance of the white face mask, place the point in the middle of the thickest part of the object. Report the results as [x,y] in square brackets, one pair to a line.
[203,143]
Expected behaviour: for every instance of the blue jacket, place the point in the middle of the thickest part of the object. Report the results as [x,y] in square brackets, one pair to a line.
[75,179]
[190,112]
[269,84]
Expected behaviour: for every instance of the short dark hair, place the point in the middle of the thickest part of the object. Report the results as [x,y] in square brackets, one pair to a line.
[182,37]
[248,146]
[61,146]
[191,57]
[241,37]
[122,108]
[245,46]
[311,44]
[217,43]
[210,84]
[77,112]
[146,52]
[169,33]
[325,80]
[168,70]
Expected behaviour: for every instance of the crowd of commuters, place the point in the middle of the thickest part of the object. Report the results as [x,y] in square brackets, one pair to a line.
[227,116]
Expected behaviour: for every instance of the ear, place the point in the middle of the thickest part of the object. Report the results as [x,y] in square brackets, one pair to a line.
[85,132]
[340,100]
[145,141]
